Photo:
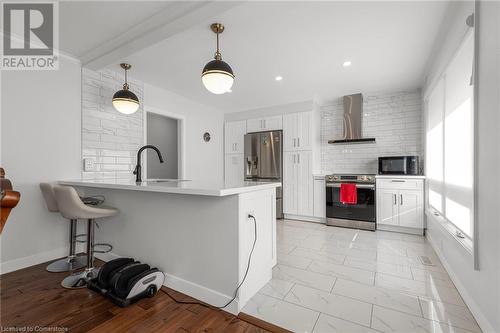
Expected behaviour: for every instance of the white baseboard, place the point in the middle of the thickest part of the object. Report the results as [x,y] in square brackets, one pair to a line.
[469,301]
[305,218]
[201,293]
[194,290]
[405,230]
[19,263]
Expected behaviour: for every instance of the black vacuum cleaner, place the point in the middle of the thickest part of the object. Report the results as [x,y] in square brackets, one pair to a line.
[125,281]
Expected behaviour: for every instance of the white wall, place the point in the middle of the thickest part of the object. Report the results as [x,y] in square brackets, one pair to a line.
[393,119]
[480,289]
[203,160]
[40,141]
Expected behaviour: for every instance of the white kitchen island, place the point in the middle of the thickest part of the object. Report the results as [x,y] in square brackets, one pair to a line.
[198,233]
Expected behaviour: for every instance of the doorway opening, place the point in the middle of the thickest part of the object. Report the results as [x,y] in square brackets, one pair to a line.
[165,132]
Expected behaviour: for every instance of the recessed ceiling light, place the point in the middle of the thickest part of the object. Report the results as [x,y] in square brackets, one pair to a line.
[347,63]
[278,78]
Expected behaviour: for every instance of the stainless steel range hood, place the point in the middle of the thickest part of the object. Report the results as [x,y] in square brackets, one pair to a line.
[353,115]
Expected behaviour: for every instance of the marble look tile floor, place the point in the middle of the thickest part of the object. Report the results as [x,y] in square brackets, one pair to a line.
[331,279]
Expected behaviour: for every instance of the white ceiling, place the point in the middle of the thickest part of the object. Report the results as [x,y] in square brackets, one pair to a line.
[388,43]
[85,25]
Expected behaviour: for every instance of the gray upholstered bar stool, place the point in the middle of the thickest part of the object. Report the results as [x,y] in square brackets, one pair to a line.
[71,262]
[71,207]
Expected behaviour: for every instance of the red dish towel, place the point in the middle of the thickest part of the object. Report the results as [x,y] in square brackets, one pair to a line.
[348,193]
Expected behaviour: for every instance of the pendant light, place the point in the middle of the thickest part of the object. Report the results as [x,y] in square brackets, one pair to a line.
[217,75]
[124,100]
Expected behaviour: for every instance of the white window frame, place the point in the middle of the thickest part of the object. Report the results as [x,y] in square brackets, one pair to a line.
[468,242]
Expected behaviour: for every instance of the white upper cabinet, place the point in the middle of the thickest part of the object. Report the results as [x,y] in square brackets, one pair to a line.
[304,130]
[290,131]
[297,132]
[234,137]
[265,124]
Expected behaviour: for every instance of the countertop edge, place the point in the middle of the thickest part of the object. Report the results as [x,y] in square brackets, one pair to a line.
[158,189]
[400,176]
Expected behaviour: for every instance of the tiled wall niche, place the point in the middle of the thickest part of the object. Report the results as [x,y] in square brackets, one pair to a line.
[110,138]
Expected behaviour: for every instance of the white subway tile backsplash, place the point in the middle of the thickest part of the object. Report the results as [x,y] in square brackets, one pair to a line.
[110,136]
[394,119]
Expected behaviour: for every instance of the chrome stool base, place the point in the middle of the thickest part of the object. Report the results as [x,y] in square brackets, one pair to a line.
[67,264]
[79,280]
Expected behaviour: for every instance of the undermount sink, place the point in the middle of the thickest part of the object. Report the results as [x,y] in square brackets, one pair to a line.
[167,180]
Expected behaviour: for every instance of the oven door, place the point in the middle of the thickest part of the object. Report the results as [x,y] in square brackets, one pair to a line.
[364,210]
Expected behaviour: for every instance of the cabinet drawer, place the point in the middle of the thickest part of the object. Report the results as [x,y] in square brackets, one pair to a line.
[400,183]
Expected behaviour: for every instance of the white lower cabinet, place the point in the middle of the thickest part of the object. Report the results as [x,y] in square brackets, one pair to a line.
[298,183]
[387,207]
[400,204]
[319,197]
[234,171]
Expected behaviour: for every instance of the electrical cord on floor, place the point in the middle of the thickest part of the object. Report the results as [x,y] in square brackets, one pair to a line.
[239,285]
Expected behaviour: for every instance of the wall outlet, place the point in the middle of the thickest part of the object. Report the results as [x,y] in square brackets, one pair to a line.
[89,164]
[248,215]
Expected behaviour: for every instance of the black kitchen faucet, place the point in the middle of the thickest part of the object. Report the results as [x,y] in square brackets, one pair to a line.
[138,171]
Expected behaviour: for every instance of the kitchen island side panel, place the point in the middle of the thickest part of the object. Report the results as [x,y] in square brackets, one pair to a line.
[193,239]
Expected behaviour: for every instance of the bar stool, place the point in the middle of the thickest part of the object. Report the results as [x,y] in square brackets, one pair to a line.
[71,207]
[71,262]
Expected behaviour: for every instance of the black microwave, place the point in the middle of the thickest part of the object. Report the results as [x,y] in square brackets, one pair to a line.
[398,165]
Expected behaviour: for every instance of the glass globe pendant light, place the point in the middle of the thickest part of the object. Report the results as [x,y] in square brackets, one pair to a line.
[217,76]
[124,100]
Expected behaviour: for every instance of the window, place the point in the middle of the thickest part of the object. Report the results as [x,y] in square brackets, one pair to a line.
[449,141]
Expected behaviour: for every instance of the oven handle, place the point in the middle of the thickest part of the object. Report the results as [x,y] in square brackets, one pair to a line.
[357,185]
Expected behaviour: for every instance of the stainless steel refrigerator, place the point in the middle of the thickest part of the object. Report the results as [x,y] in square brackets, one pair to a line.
[264,161]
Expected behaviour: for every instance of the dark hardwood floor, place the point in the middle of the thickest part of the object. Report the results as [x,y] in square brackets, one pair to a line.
[33,297]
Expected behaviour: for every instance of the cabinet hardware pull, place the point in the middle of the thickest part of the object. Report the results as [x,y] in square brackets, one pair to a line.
[298,142]
[298,158]
[294,157]
[358,186]
[395,202]
[398,181]
[294,142]
[401,199]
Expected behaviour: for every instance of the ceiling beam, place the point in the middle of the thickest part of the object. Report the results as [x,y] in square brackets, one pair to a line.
[175,18]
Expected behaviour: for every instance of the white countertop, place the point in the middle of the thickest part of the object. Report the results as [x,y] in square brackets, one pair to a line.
[174,186]
[400,177]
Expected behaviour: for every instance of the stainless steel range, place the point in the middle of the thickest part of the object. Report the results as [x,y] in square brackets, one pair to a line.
[360,215]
